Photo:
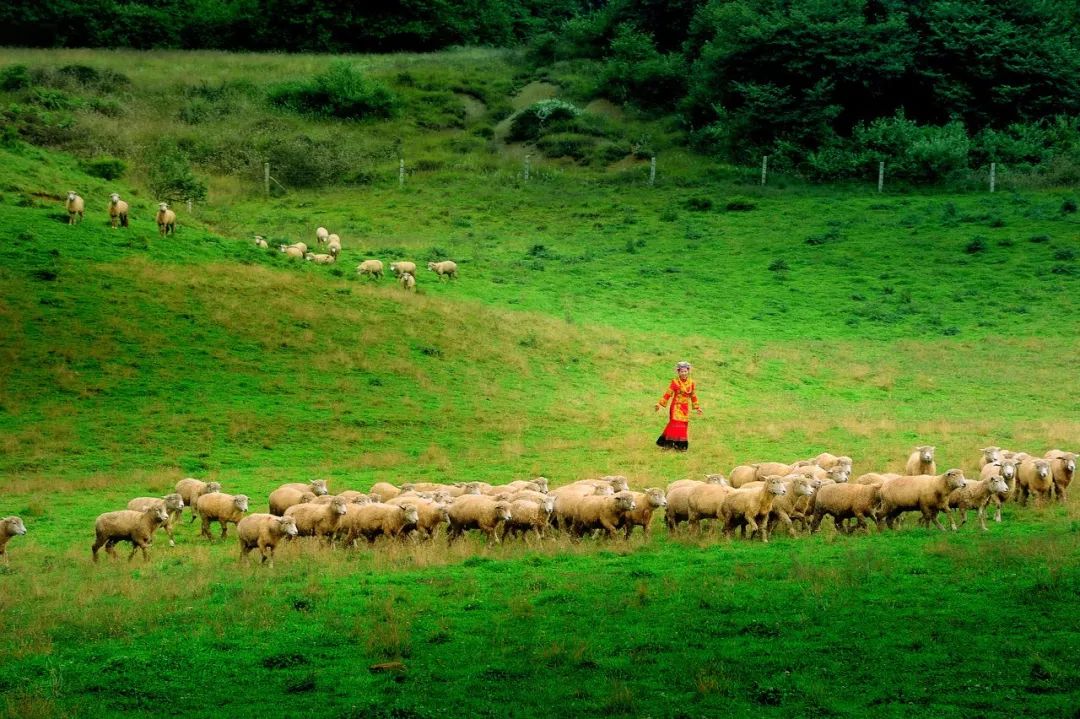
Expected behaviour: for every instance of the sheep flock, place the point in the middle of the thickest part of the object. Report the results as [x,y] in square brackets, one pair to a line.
[751,500]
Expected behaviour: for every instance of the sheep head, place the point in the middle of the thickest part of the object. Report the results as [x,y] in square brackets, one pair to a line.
[15,526]
[775,485]
[213,487]
[337,506]
[173,502]
[318,486]
[240,501]
[656,497]
[926,453]
[411,514]
[716,479]
[998,485]
[287,525]
[955,478]
[991,454]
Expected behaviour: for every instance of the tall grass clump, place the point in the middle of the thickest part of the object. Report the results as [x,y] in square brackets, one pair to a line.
[341,91]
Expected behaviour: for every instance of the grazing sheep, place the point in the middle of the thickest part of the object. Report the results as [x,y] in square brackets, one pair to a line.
[678,499]
[921,461]
[317,520]
[602,511]
[370,268]
[173,504]
[527,515]
[334,247]
[446,268]
[320,259]
[977,494]
[127,525]
[75,207]
[293,253]
[430,514]
[846,501]
[333,239]
[401,268]
[407,282]
[1034,477]
[989,456]
[377,519]
[703,501]
[10,527]
[1063,467]
[384,491]
[645,503]
[261,242]
[750,507]
[477,512]
[789,506]
[190,489]
[221,508]
[118,211]
[166,219]
[315,486]
[321,235]
[284,497]
[926,493]
[263,531]
[828,461]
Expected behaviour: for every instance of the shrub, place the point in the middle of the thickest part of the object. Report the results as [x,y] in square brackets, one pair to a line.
[779,265]
[977,245]
[636,73]
[1068,206]
[698,204]
[739,204]
[339,92]
[15,77]
[107,168]
[566,145]
[171,177]
[529,123]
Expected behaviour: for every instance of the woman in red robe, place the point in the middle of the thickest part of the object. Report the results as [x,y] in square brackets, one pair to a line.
[682,395]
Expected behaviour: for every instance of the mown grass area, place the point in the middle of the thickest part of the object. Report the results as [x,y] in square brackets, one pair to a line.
[130,361]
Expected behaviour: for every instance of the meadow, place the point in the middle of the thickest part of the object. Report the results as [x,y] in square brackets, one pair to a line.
[817,318]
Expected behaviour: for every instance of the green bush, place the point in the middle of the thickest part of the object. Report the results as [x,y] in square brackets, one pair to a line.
[339,92]
[566,144]
[438,111]
[637,74]
[107,168]
[15,77]
[170,174]
[529,123]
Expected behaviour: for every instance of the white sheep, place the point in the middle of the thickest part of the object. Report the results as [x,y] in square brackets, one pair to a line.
[400,268]
[851,500]
[10,527]
[377,519]
[334,248]
[527,515]
[317,520]
[430,514]
[1063,467]
[317,486]
[263,531]
[118,211]
[321,235]
[127,525]
[261,242]
[921,461]
[333,239]
[477,511]
[384,491]
[446,268]
[293,253]
[75,207]
[166,219]
[977,494]
[407,282]
[924,493]
[989,456]
[173,504]
[320,259]
[1034,476]
[370,268]
[749,508]
[221,508]
[602,511]
[190,489]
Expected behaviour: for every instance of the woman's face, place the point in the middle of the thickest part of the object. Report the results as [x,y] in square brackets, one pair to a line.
[683,373]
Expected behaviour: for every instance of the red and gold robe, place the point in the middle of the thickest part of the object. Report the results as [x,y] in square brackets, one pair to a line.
[683,397]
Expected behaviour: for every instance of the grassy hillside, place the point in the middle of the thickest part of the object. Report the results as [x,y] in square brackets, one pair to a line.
[131,361]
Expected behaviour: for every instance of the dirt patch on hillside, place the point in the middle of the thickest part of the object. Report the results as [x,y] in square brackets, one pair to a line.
[474,109]
[607,108]
[534,92]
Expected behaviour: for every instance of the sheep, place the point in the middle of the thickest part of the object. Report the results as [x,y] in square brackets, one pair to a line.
[678,497]
[10,527]
[384,491]
[1005,468]
[790,505]
[617,482]
[977,494]
[321,235]
[293,253]
[430,514]
[317,520]
[764,470]
[375,519]
[349,496]
[926,493]
[742,474]
[407,282]
[703,501]
[401,268]
[118,211]
[190,489]
[602,511]
[875,477]
[828,461]
[921,461]
[446,268]
[528,495]
[1063,467]
[261,242]
[75,207]
[1034,476]
[334,248]
[284,497]
[750,507]
[264,531]
[320,259]
[527,515]
[333,239]
[173,504]
[477,512]
[221,508]
[989,456]
[316,486]
[645,503]
[370,268]
[166,219]
[127,525]
[846,501]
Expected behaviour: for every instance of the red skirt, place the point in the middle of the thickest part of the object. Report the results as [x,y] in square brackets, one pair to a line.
[674,435]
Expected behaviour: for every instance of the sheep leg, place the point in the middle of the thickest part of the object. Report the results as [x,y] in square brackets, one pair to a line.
[94,549]
[931,515]
[224,527]
[205,532]
[981,511]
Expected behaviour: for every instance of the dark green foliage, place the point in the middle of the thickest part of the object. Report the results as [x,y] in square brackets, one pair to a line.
[107,168]
[636,73]
[566,144]
[170,174]
[529,123]
[778,266]
[977,245]
[341,91]
[15,77]
[1068,206]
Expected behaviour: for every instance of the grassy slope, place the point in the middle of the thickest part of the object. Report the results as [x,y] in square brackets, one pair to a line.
[132,361]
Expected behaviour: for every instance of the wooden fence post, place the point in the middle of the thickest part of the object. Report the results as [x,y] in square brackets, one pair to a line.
[266,178]
[401,173]
[652,171]
[993,175]
[764,168]
[880,175]
[528,162]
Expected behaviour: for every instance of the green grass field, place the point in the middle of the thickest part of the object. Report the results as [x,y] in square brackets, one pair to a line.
[816,318]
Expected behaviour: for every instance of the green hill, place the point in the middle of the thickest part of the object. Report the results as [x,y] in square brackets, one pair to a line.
[817,319]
